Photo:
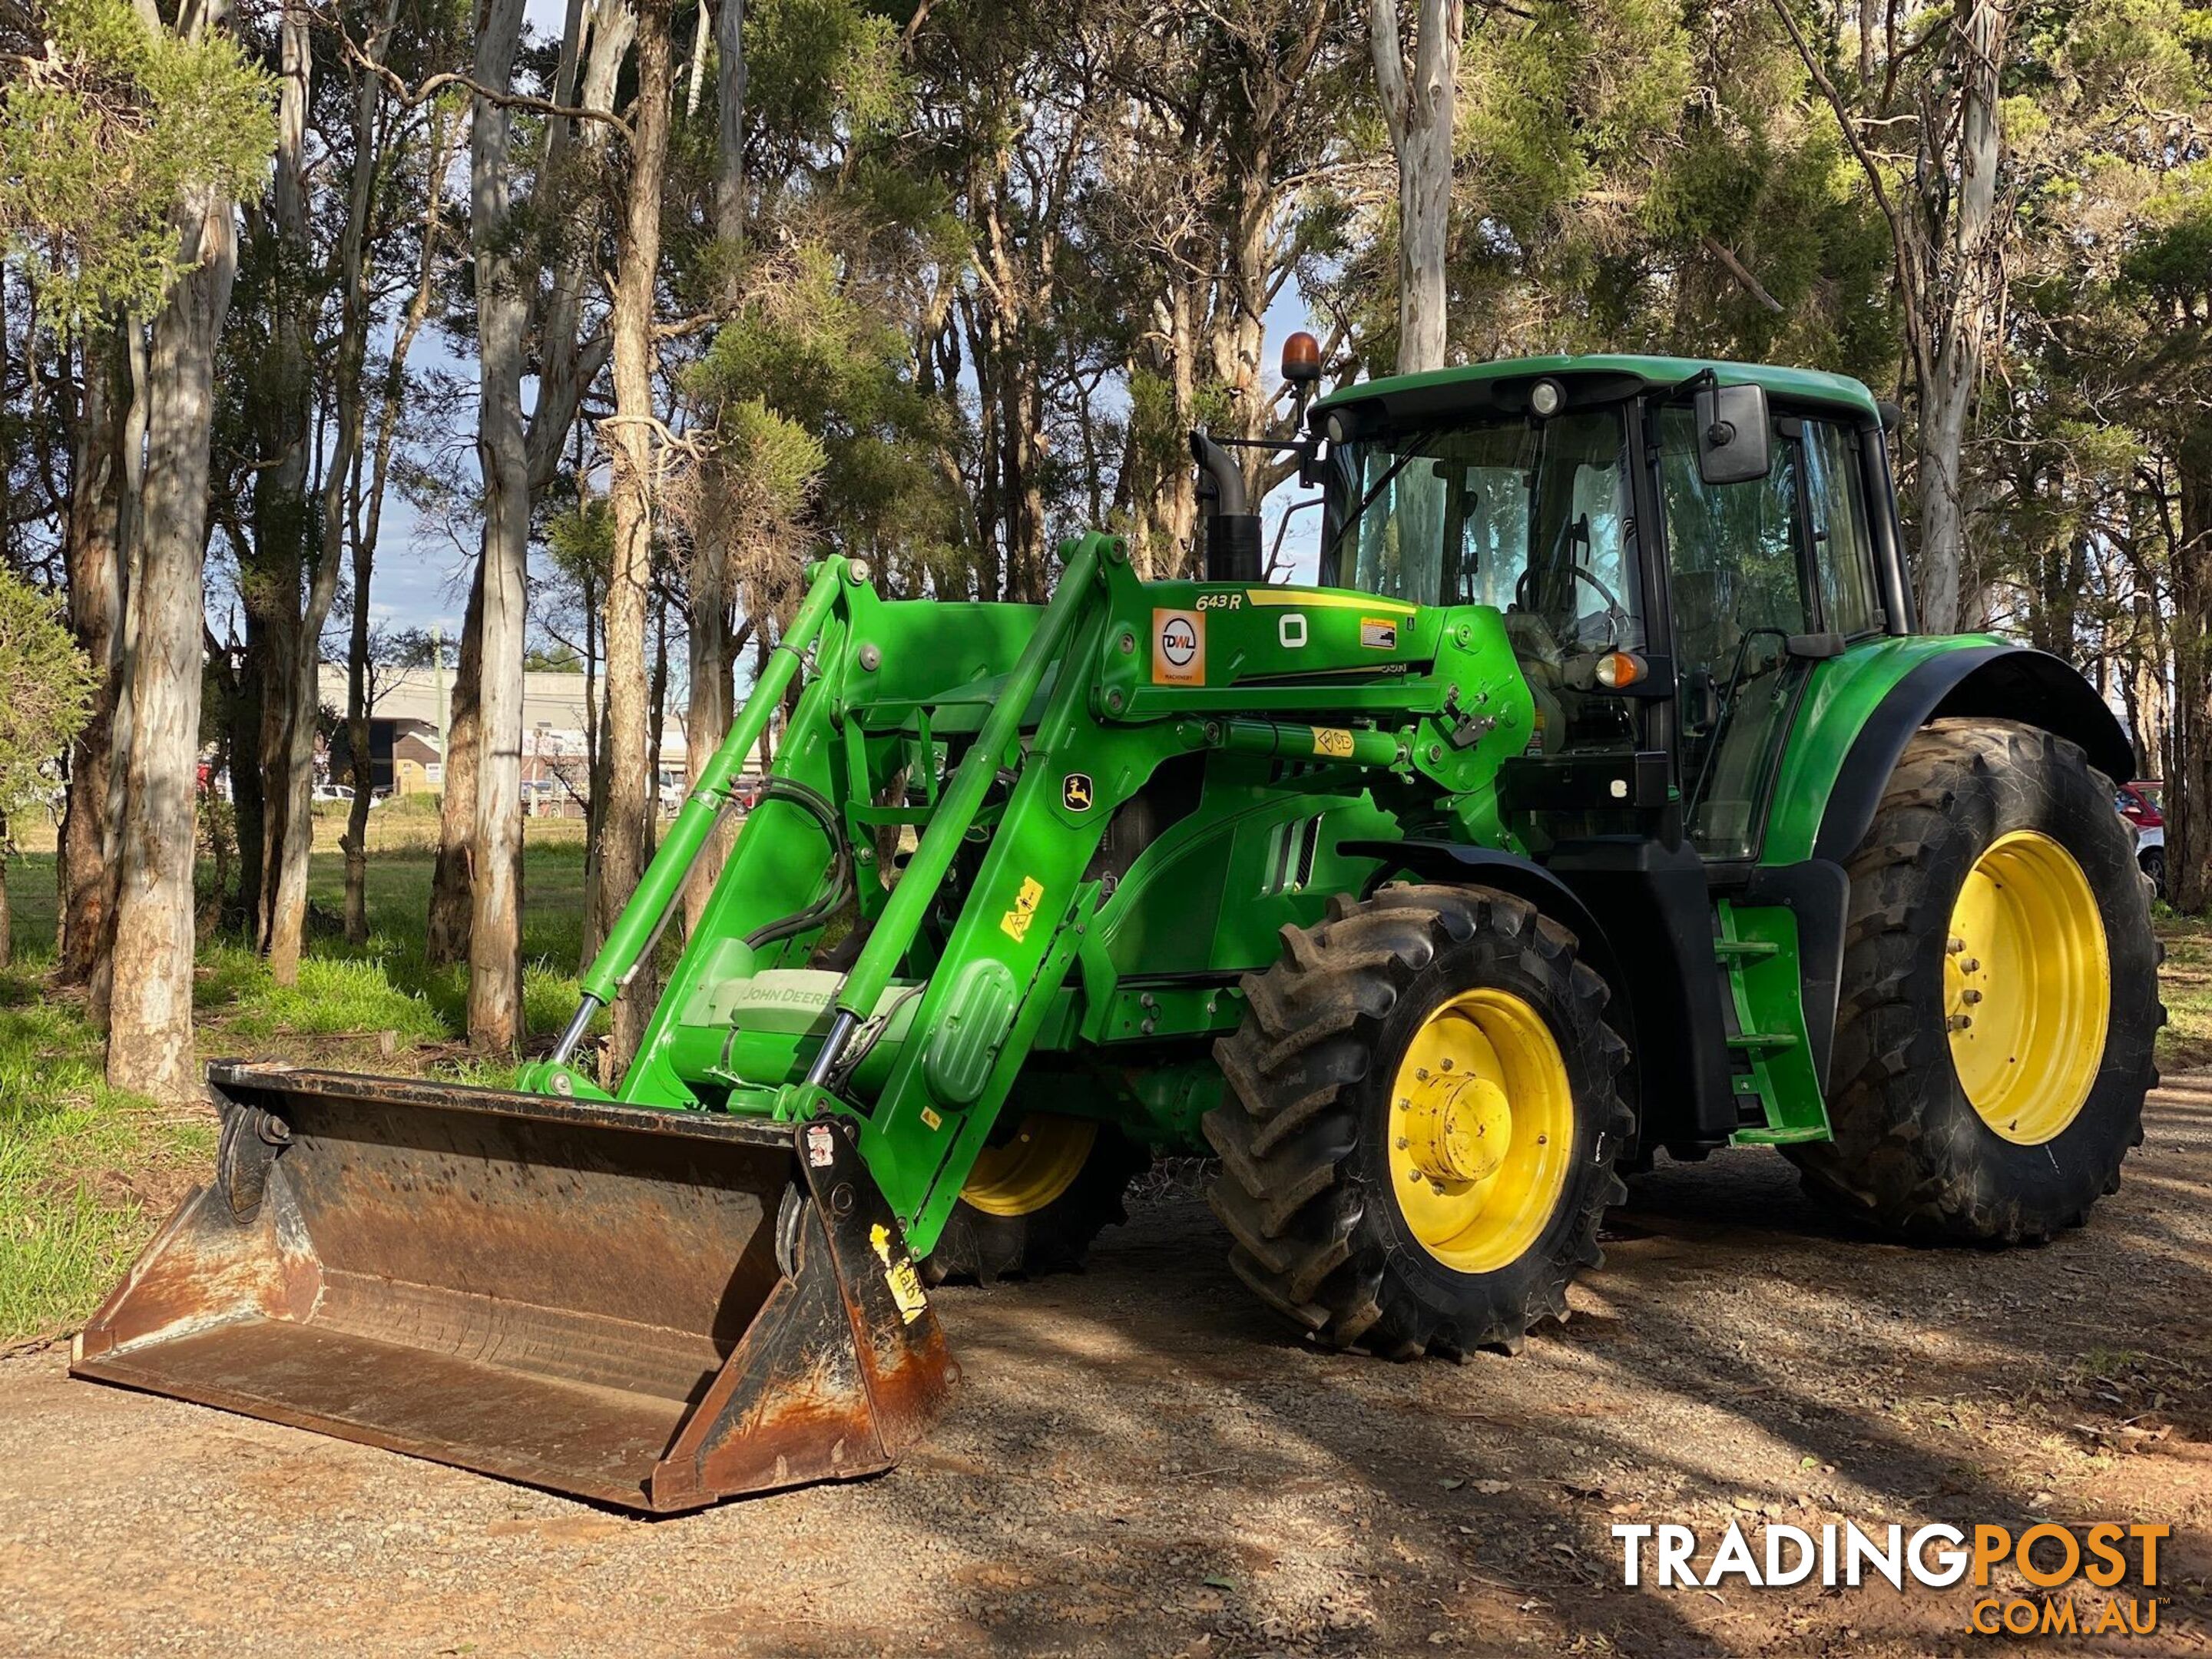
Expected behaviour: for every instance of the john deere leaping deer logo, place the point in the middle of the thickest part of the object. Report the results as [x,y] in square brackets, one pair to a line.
[1075,792]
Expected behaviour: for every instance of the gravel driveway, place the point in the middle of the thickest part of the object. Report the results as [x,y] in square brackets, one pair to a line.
[1141,1463]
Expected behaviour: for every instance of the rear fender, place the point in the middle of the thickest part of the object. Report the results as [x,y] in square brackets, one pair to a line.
[1989,681]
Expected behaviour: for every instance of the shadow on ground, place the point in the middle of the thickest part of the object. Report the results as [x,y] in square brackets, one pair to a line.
[1142,1464]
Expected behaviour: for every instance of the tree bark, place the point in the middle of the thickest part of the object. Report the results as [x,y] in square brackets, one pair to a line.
[709,706]
[495,1001]
[93,551]
[273,579]
[730,133]
[1965,318]
[149,1041]
[628,439]
[287,930]
[446,940]
[2189,780]
[1420,116]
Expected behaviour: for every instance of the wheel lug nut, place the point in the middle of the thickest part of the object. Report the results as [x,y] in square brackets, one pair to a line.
[1959,1022]
[1970,966]
[1970,996]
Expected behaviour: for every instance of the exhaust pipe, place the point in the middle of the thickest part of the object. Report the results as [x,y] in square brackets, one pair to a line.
[1232,530]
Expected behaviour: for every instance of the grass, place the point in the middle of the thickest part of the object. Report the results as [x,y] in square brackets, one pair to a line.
[87,1172]
[2185,987]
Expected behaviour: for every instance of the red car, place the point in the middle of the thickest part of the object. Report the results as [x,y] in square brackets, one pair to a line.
[2141,804]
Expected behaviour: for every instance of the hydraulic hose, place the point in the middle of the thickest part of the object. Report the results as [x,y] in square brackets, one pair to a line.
[817,806]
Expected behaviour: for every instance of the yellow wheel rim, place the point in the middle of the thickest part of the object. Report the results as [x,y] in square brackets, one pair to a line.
[1038,1163]
[1482,1130]
[2028,987]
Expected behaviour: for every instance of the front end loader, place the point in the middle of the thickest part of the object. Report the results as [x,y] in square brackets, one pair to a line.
[1602,799]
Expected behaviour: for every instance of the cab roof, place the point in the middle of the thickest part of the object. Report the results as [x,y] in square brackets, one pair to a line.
[1483,387]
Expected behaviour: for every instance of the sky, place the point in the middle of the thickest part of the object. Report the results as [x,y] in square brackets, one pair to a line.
[421,579]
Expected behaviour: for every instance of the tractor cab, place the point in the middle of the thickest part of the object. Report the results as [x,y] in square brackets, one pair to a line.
[1672,548]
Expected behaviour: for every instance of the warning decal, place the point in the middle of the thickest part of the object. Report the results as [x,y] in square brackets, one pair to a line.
[1178,647]
[1378,633]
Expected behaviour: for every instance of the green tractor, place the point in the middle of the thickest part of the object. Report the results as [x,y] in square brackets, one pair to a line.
[1601,800]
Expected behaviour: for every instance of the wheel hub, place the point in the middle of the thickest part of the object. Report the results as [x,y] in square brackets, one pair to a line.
[1482,1129]
[1459,1127]
[2028,987]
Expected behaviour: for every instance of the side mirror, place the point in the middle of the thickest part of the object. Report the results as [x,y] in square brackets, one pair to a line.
[1732,433]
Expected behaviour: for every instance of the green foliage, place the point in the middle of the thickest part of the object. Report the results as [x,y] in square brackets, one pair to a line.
[48,690]
[821,430]
[811,65]
[100,141]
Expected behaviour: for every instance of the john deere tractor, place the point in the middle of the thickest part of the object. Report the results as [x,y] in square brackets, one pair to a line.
[1601,799]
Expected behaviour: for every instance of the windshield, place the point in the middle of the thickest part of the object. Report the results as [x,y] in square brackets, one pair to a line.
[1533,517]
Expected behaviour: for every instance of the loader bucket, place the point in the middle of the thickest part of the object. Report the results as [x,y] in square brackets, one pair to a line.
[650,1309]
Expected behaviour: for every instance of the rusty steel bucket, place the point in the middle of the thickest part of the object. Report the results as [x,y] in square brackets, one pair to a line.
[649,1309]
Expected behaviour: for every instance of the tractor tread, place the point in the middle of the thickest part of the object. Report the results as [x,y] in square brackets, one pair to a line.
[1304,1235]
[979,1248]
[1906,1153]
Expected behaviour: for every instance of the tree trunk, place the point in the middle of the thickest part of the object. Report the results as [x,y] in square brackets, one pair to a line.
[1420,116]
[149,1041]
[451,903]
[281,393]
[709,706]
[2189,780]
[354,843]
[730,143]
[628,440]
[1961,307]
[288,931]
[495,1001]
[93,551]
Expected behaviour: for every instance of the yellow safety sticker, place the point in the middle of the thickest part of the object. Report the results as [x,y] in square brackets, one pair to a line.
[1015,924]
[1331,741]
[899,1273]
[1378,633]
[930,1119]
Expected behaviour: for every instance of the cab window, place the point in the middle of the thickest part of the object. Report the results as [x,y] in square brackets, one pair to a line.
[1842,544]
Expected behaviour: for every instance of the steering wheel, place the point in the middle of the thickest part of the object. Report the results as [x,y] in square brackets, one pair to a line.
[1616,613]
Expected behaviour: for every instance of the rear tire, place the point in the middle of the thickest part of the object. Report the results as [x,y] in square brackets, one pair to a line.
[1913,1152]
[1315,1188]
[1034,1226]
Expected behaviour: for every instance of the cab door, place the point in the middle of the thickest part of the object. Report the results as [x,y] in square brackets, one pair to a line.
[1768,577]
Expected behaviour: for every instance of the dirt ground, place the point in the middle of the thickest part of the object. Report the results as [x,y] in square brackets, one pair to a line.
[1140,1463]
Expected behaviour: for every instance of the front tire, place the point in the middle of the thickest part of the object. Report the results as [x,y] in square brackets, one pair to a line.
[1999,998]
[1422,1122]
[1038,1196]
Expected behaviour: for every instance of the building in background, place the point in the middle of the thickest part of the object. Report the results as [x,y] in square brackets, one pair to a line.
[406,751]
